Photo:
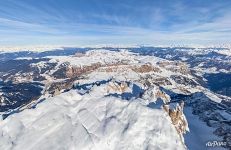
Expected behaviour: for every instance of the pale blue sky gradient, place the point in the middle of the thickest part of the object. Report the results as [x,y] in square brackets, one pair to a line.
[89,22]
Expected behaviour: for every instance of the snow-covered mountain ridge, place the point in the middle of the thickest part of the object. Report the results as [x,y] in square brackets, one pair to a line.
[91,121]
[113,100]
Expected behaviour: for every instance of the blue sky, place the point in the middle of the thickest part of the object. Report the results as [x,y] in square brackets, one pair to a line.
[125,22]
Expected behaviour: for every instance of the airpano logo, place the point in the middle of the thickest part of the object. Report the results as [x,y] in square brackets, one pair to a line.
[215,143]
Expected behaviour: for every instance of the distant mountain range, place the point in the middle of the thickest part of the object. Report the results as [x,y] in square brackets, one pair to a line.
[116,98]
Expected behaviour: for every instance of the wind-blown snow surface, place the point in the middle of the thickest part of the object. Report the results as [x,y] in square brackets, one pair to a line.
[90,121]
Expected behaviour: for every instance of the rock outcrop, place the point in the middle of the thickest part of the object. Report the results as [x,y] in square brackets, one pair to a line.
[155,93]
[178,118]
[145,68]
[117,87]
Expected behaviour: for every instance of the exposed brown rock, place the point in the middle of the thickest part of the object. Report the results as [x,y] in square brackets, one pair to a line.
[56,87]
[145,68]
[178,119]
[150,79]
[117,87]
[73,71]
[175,66]
[162,95]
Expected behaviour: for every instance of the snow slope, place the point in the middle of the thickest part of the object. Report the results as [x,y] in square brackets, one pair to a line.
[71,121]
[111,107]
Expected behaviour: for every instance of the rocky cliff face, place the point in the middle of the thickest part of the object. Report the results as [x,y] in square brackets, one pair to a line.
[154,93]
[145,68]
[117,87]
[178,66]
[178,118]
[73,71]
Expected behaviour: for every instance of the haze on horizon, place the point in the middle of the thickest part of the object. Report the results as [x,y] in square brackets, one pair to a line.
[94,22]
